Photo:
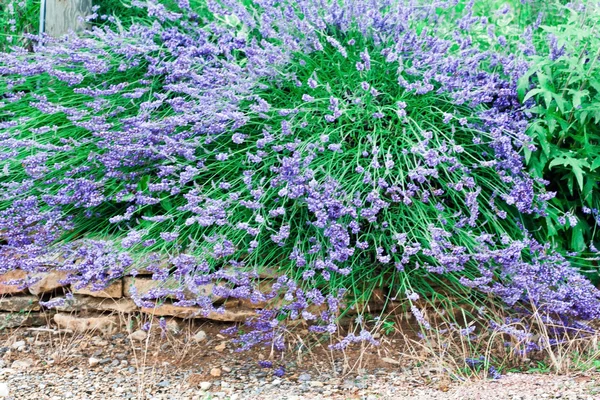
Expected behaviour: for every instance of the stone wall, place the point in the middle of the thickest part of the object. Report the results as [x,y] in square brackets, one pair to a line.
[21,306]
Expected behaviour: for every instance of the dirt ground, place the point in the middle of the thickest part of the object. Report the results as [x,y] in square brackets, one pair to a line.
[196,361]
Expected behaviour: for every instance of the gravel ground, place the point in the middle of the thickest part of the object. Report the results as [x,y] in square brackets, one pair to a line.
[89,384]
[47,363]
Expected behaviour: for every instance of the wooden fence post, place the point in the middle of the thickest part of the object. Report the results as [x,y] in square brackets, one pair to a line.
[58,17]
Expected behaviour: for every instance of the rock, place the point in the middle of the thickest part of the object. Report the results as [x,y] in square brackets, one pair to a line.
[19,303]
[390,361]
[25,363]
[221,347]
[165,383]
[93,361]
[170,310]
[84,324]
[264,287]
[16,320]
[88,303]
[226,369]
[144,285]
[16,274]
[112,291]
[316,384]
[200,336]
[263,273]
[4,392]
[48,281]
[138,336]
[216,372]
[205,385]
[173,327]
[304,377]
[16,345]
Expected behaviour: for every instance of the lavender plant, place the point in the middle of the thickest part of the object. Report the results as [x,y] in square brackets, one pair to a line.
[349,145]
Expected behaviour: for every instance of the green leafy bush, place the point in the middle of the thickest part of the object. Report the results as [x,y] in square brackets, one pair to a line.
[562,89]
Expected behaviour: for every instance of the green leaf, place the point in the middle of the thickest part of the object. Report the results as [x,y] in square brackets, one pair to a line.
[577,241]
[576,166]
[143,183]
[166,204]
[578,95]
[531,93]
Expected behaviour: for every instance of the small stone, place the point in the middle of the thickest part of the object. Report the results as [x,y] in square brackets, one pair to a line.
[200,336]
[93,361]
[390,361]
[115,363]
[124,363]
[205,385]
[226,369]
[16,345]
[165,383]
[22,364]
[221,346]
[138,335]
[4,392]
[316,384]
[216,372]
[304,377]
[173,327]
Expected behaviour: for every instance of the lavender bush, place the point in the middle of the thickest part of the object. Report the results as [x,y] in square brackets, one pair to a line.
[350,145]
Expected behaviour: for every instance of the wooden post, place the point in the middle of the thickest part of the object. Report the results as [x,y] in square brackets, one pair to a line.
[59,17]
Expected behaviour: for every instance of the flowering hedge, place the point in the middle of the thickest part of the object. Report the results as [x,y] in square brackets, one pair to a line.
[348,144]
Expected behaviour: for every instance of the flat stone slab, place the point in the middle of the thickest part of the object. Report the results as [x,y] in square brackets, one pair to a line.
[144,285]
[229,315]
[19,303]
[5,288]
[105,324]
[89,303]
[112,291]
[16,320]
[49,282]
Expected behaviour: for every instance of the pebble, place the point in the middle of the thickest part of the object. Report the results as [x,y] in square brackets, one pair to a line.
[93,361]
[22,364]
[138,335]
[4,392]
[200,336]
[304,377]
[221,346]
[205,385]
[18,345]
[216,372]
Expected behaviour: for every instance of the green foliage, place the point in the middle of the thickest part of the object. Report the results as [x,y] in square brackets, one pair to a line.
[16,19]
[564,85]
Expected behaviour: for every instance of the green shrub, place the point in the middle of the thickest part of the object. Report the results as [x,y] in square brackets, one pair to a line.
[562,89]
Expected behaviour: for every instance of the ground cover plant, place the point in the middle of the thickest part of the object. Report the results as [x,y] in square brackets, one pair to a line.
[349,145]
